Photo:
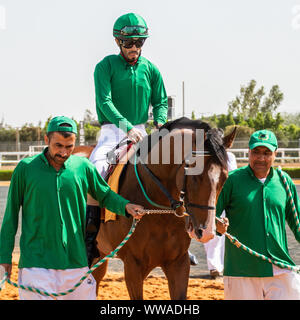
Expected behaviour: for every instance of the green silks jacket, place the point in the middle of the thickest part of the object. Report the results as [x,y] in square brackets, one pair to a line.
[125,92]
[53,211]
[257,213]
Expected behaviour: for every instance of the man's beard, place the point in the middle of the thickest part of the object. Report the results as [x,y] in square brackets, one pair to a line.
[57,157]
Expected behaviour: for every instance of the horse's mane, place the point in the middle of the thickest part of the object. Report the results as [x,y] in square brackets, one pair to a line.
[213,137]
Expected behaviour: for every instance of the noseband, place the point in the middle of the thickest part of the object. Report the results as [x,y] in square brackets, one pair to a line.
[181,206]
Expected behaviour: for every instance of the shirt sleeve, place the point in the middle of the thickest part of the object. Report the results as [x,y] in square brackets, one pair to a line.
[293,215]
[159,98]
[11,216]
[100,190]
[104,99]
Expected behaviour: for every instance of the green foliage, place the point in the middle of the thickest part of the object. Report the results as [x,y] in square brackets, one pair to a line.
[90,131]
[252,110]
[292,172]
[291,118]
[5,175]
[149,126]
[7,134]
[251,101]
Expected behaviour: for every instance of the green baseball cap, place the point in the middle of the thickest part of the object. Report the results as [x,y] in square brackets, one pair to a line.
[264,138]
[57,124]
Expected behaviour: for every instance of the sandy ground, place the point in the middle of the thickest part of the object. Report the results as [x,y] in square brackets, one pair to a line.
[155,288]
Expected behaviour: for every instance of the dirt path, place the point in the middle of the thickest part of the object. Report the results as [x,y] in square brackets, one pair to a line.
[155,288]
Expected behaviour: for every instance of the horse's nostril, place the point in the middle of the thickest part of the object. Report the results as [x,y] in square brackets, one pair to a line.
[199,233]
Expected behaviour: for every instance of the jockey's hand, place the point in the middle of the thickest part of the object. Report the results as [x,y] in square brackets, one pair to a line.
[134,135]
[135,210]
[222,225]
[158,125]
[7,268]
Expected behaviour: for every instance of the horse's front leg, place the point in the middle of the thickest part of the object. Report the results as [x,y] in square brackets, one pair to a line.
[177,273]
[134,277]
[100,272]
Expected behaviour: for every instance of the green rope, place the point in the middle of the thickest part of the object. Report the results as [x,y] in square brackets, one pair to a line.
[281,265]
[54,295]
[143,190]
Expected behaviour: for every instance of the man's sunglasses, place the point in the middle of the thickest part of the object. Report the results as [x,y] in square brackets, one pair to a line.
[129,43]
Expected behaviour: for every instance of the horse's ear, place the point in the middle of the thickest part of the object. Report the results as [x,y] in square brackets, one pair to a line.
[228,140]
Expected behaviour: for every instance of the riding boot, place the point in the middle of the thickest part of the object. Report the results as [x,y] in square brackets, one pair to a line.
[92,228]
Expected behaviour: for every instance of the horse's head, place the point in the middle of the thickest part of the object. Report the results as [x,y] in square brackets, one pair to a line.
[192,166]
[203,189]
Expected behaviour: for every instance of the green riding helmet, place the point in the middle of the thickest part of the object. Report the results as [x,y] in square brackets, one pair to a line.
[130,25]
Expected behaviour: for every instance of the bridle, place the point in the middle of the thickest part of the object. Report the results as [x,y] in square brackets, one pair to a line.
[181,206]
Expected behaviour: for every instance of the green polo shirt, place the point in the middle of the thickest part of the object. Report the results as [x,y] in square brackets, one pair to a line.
[125,92]
[53,211]
[257,213]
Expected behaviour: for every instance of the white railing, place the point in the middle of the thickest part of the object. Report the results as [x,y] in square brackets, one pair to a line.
[282,154]
[14,157]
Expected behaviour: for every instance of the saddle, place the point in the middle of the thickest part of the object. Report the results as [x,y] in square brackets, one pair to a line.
[113,177]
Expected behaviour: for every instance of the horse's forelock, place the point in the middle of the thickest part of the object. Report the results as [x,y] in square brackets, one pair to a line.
[214,144]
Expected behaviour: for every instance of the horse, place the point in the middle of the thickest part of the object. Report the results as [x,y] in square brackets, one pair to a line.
[162,240]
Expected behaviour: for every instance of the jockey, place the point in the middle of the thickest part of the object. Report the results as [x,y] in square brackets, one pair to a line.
[125,86]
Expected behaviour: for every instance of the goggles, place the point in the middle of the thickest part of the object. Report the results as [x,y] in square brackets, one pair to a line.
[134,31]
[129,31]
[129,43]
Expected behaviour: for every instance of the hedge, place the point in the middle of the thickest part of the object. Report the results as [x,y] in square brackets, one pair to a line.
[293,172]
[5,175]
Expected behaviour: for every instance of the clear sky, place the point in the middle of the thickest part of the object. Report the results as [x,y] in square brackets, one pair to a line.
[49,48]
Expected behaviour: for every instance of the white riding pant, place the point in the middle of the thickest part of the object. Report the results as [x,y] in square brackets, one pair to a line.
[56,281]
[110,136]
[285,286]
[214,249]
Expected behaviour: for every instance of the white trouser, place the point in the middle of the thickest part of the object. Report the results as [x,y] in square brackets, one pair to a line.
[56,281]
[110,136]
[214,249]
[285,286]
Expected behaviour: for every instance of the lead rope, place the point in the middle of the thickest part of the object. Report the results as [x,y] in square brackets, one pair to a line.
[281,265]
[55,295]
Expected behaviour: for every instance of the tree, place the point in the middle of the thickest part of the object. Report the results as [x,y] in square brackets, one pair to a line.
[272,102]
[250,101]
[88,116]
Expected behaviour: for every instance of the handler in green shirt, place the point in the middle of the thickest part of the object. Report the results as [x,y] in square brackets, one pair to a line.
[126,84]
[256,204]
[52,190]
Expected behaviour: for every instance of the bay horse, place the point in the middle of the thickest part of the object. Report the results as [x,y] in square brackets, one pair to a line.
[162,240]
